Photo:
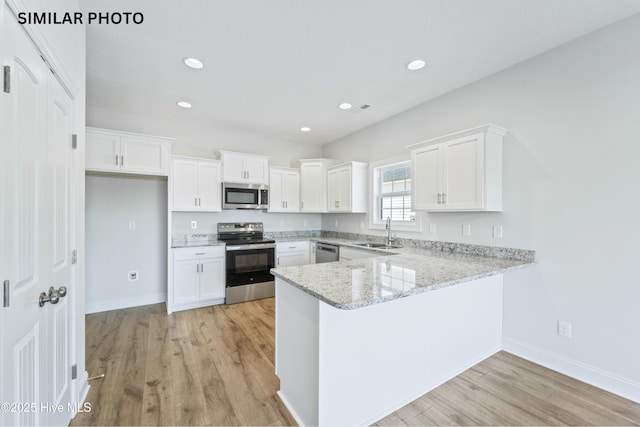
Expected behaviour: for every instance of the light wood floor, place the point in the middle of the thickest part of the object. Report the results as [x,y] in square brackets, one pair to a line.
[215,366]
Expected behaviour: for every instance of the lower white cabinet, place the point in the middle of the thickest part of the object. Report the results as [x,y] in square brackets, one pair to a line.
[198,278]
[292,253]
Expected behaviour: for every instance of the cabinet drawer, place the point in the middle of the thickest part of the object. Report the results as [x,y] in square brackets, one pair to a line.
[285,247]
[181,254]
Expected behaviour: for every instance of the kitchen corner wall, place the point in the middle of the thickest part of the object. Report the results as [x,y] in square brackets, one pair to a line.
[114,200]
[570,193]
[114,249]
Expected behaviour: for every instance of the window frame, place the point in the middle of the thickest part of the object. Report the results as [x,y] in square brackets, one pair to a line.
[374,192]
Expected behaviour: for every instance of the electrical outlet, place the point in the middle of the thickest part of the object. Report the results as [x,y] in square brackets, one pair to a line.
[133,276]
[497,231]
[432,228]
[132,225]
[466,229]
[194,225]
[564,329]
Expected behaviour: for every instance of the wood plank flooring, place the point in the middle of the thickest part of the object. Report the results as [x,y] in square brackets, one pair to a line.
[215,366]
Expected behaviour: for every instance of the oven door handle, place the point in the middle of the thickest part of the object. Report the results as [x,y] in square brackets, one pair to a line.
[256,246]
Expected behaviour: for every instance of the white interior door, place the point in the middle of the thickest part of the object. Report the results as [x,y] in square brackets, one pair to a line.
[57,256]
[25,111]
[35,233]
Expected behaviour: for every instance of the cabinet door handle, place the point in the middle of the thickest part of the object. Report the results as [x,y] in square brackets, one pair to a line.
[301,204]
[199,201]
[286,204]
[201,268]
[444,198]
[5,291]
[195,201]
[278,260]
[116,160]
[121,160]
[439,198]
[197,268]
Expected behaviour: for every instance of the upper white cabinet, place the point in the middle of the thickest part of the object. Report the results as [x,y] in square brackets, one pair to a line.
[347,187]
[459,172]
[313,184]
[124,152]
[245,168]
[284,190]
[196,185]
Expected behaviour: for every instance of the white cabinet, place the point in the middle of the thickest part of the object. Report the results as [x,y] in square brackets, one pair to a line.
[198,278]
[115,151]
[245,168]
[459,172]
[347,187]
[348,253]
[292,253]
[284,190]
[196,185]
[313,184]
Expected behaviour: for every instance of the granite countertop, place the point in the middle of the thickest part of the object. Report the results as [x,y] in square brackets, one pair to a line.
[394,274]
[195,241]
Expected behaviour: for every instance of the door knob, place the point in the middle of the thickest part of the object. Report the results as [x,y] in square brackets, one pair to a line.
[53,296]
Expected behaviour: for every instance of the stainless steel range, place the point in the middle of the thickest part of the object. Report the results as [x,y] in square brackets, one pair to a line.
[250,258]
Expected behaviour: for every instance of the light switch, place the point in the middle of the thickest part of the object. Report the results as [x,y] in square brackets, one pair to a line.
[194,225]
[497,231]
[466,229]
[432,228]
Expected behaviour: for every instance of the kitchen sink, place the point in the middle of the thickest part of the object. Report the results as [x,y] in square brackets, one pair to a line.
[376,245]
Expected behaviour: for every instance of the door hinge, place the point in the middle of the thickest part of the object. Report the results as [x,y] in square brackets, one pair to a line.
[7,79]
[74,141]
[74,372]
[74,256]
[5,294]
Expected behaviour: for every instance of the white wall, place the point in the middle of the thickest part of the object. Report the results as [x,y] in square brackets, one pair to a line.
[207,222]
[571,193]
[113,249]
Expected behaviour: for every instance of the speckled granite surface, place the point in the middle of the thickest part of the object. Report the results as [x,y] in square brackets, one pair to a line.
[292,235]
[436,246]
[391,274]
[195,240]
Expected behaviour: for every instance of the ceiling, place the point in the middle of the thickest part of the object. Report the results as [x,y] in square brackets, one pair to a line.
[274,66]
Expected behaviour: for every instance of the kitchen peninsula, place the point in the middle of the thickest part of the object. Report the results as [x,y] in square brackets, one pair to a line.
[358,339]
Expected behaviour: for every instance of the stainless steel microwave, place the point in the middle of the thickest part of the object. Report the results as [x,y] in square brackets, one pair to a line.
[245,196]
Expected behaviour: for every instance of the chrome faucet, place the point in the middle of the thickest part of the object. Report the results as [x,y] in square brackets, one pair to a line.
[388,227]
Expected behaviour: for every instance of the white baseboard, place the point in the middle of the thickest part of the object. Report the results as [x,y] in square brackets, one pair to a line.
[289,408]
[116,304]
[581,371]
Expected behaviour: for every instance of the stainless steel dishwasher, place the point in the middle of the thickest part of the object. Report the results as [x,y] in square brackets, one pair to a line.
[327,253]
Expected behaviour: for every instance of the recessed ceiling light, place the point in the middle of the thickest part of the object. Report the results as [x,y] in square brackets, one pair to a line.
[344,106]
[193,63]
[184,104]
[305,129]
[416,64]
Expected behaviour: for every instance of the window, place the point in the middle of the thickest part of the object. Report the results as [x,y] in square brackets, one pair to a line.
[392,193]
